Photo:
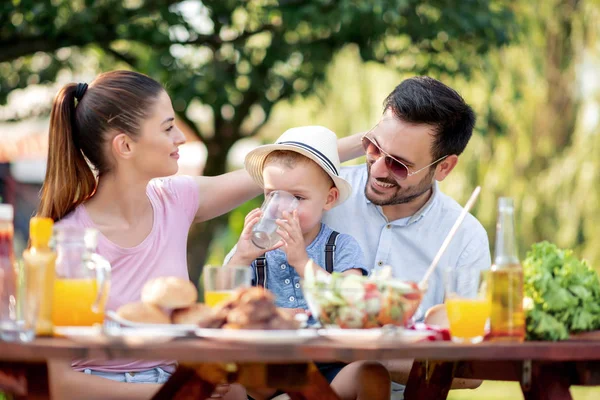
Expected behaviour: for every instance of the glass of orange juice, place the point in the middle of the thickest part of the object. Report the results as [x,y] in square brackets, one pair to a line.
[221,282]
[468,303]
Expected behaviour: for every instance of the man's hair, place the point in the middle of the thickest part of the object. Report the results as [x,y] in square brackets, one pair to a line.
[424,100]
[290,159]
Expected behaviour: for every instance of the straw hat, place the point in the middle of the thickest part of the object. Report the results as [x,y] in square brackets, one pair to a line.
[315,142]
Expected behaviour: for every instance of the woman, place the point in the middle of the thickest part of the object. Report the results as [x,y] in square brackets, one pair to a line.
[123,126]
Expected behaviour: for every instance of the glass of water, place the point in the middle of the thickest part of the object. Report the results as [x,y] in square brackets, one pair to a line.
[264,233]
[20,304]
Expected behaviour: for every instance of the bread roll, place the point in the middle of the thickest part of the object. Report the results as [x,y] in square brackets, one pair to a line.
[169,292]
[196,314]
[144,313]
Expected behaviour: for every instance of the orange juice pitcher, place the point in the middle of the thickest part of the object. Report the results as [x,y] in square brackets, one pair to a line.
[82,281]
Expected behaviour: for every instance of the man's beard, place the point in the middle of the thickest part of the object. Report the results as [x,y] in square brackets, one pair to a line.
[400,196]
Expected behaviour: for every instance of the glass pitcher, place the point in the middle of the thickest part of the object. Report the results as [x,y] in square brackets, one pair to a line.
[82,281]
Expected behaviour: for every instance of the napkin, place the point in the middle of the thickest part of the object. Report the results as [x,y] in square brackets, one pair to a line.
[436,332]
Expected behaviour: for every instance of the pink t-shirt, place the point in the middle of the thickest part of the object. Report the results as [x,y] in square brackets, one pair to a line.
[162,253]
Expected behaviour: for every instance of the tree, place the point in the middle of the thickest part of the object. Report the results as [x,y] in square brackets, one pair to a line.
[537,103]
[238,59]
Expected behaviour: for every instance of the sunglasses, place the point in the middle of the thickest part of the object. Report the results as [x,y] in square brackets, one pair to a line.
[395,166]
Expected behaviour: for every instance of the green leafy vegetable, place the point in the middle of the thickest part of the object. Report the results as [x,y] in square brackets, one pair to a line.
[564,293]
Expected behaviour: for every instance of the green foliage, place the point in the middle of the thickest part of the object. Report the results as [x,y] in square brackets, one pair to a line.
[244,54]
[564,293]
[537,102]
[227,63]
[537,138]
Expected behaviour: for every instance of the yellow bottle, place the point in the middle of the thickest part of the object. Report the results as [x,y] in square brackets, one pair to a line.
[39,266]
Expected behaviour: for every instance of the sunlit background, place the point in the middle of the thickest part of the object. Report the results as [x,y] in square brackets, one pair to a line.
[240,73]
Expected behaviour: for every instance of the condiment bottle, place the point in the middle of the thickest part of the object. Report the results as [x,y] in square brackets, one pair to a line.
[39,266]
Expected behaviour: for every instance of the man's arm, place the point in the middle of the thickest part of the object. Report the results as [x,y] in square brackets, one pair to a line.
[350,147]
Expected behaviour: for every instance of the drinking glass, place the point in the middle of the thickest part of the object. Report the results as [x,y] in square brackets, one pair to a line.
[264,233]
[221,282]
[18,315]
[468,303]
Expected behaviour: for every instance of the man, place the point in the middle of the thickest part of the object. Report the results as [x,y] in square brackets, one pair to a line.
[401,216]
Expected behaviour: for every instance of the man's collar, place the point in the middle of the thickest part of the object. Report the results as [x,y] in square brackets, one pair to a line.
[423,210]
[427,206]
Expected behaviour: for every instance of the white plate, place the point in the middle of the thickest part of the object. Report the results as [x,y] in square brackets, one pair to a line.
[258,336]
[175,328]
[362,335]
[129,336]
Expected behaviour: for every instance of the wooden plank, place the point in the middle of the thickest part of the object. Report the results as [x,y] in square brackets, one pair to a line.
[318,349]
[584,373]
[429,380]
[13,379]
[587,373]
[25,380]
[185,384]
[489,370]
[300,380]
[549,382]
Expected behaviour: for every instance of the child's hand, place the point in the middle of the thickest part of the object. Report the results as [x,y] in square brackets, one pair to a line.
[246,251]
[293,241]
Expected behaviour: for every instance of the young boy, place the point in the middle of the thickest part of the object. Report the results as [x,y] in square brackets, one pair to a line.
[304,162]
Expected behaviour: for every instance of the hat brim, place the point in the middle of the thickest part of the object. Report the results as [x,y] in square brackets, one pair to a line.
[255,161]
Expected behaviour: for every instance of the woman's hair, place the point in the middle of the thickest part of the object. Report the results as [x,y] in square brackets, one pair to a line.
[116,101]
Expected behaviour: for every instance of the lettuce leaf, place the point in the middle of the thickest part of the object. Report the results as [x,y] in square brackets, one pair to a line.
[565,293]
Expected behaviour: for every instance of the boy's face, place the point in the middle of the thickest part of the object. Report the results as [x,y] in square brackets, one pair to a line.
[307,182]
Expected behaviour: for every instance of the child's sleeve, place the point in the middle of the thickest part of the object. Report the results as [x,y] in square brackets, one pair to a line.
[348,255]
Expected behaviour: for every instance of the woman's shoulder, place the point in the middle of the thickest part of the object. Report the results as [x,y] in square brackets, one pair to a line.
[180,191]
[74,218]
[172,185]
[176,188]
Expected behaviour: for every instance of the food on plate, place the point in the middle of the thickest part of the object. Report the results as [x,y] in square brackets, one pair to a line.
[248,308]
[143,313]
[196,314]
[562,293]
[252,308]
[169,292]
[355,302]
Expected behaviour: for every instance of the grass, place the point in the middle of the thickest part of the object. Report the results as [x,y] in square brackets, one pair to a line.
[495,390]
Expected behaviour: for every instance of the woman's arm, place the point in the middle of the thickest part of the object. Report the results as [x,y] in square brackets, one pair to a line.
[65,383]
[221,194]
[350,147]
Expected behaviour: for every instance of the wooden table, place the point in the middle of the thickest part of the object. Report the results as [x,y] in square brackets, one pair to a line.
[545,370]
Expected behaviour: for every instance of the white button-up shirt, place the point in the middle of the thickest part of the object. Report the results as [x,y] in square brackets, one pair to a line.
[409,244]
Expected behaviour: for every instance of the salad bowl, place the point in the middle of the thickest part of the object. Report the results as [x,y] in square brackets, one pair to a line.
[358,302]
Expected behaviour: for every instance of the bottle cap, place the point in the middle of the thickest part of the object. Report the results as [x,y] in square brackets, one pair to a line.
[40,230]
[7,212]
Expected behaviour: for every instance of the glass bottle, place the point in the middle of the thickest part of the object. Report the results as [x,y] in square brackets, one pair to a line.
[8,275]
[82,278]
[507,319]
[39,266]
